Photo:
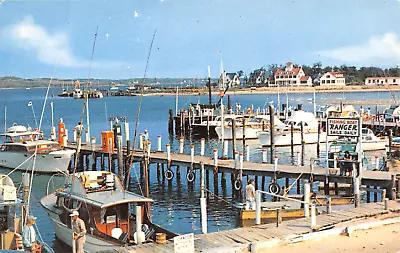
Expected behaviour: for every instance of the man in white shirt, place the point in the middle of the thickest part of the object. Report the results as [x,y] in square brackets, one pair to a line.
[29,235]
[78,232]
[250,193]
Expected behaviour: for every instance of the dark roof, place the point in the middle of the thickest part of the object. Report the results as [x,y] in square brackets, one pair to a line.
[231,75]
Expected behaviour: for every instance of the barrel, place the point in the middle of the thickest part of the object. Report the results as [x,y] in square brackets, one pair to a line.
[161,238]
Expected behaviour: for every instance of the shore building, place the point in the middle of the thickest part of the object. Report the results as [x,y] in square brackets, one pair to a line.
[332,79]
[291,76]
[377,81]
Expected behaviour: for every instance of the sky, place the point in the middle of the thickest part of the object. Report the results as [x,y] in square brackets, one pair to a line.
[54,38]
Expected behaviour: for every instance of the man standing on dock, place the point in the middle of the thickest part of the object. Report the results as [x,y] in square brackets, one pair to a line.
[78,233]
[250,193]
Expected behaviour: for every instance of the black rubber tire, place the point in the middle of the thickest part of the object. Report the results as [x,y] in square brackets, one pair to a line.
[238,184]
[190,176]
[169,175]
[274,188]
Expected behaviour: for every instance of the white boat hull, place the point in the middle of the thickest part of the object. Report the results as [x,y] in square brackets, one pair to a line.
[375,145]
[285,139]
[45,163]
[64,234]
[250,133]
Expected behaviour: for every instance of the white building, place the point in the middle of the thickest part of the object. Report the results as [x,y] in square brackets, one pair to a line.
[291,76]
[376,81]
[231,80]
[332,78]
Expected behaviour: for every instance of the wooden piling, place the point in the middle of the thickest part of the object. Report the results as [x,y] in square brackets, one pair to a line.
[272,132]
[368,195]
[298,186]
[302,143]
[319,139]
[102,165]
[292,140]
[87,162]
[94,164]
[170,122]
[244,135]
[375,194]
[120,158]
[158,172]
[233,122]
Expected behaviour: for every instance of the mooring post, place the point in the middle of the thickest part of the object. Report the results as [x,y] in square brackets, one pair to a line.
[170,122]
[121,172]
[141,141]
[244,134]
[202,146]
[272,132]
[258,207]
[319,137]
[181,141]
[159,143]
[264,155]
[392,188]
[140,237]
[302,143]
[203,202]
[386,204]
[215,151]
[328,205]
[313,216]
[192,156]
[158,173]
[233,121]
[225,153]
[307,191]
[292,140]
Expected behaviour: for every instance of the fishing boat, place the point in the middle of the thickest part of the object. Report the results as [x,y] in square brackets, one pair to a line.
[77,93]
[370,142]
[64,93]
[20,144]
[252,127]
[283,134]
[106,209]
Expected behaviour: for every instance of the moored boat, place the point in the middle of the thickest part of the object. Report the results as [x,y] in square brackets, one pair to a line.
[283,136]
[20,146]
[106,209]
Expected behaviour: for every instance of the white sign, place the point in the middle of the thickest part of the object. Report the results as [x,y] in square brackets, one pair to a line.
[184,243]
[343,127]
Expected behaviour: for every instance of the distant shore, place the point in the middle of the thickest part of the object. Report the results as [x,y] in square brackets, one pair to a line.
[276,90]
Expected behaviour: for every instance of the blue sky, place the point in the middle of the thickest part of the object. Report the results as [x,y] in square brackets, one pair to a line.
[43,38]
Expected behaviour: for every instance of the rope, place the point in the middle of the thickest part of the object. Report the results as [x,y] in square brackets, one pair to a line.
[224,200]
[20,165]
[291,186]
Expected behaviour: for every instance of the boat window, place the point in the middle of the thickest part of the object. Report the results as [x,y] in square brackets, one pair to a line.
[16,148]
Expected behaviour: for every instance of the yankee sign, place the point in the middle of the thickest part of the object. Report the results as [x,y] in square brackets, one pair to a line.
[343,127]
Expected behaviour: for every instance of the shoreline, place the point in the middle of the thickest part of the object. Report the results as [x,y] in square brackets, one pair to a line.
[275,90]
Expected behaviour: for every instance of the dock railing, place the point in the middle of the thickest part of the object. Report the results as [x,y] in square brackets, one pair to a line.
[313,220]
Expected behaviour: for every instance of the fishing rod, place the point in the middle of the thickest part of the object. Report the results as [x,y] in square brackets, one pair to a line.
[85,103]
[130,160]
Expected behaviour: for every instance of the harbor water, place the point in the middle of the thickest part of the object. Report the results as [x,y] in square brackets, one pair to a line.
[176,205]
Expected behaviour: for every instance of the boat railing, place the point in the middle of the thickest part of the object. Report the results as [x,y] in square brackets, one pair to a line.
[306,205]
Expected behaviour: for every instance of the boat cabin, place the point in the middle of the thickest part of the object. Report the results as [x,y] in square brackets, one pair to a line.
[11,213]
[298,117]
[106,208]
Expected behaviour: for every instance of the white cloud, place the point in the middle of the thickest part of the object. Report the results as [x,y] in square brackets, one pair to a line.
[383,48]
[49,48]
[137,14]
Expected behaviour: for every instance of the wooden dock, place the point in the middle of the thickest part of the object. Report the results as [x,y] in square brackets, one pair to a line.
[242,239]
[382,179]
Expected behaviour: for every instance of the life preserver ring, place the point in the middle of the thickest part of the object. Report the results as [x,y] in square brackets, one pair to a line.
[191,176]
[238,184]
[169,174]
[274,188]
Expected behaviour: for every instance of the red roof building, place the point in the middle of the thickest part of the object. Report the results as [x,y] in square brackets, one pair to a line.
[291,76]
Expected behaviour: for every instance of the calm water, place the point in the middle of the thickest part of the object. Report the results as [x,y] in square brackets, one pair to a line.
[176,206]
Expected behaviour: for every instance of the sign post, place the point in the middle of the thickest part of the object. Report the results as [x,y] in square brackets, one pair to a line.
[184,243]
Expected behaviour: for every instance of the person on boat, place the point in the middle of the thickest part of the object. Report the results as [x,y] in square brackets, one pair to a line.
[78,232]
[250,193]
[29,235]
[340,158]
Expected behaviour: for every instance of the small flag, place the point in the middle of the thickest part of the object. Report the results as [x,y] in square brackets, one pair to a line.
[30,103]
